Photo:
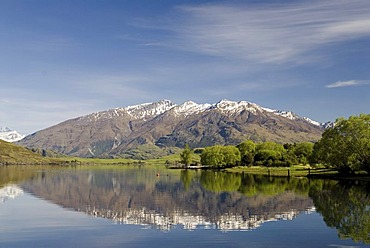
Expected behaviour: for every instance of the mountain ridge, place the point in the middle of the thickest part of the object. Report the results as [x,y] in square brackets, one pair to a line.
[166,124]
[141,111]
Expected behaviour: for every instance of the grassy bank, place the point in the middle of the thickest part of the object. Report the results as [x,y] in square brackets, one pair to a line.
[120,161]
[14,154]
[298,171]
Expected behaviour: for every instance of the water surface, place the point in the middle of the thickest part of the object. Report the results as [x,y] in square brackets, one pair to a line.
[150,206]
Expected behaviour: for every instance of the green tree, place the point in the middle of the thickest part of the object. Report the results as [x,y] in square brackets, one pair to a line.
[231,156]
[186,155]
[220,156]
[328,149]
[303,148]
[247,151]
[303,151]
[269,154]
[270,146]
[212,156]
[346,146]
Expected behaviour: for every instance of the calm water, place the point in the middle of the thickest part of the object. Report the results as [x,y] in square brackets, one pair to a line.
[133,207]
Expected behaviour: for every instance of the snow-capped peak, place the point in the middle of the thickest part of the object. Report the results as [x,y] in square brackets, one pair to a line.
[149,109]
[287,114]
[190,107]
[232,107]
[10,135]
[153,109]
[140,111]
[225,104]
[312,121]
[293,116]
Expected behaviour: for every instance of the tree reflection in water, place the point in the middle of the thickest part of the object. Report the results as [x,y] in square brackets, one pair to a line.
[346,207]
[252,185]
[209,197]
[343,205]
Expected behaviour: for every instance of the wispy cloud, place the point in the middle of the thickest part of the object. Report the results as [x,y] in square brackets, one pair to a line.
[347,83]
[269,33]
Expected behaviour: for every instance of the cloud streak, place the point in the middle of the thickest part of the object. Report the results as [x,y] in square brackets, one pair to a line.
[349,83]
[270,33]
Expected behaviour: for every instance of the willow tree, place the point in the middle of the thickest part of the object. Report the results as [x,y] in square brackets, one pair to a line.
[247,151]
[220,156]
[346,146]
[186,155]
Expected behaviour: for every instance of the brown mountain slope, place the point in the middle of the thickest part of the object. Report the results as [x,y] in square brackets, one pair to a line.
[114,132]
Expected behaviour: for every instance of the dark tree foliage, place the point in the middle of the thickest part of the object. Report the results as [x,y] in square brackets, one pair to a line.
[271,154]
[345,207]
[186,155]
[220,156]
[249,153]
[346,146]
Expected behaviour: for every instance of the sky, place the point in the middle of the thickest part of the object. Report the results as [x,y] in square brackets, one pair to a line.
[64,59]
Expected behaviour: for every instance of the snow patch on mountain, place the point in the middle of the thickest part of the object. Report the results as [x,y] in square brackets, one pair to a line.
[190,107]
[293,116]
[312,121]
[150,110]
[287,114]
[146,110]
[134,112]
[10,135]
[229,107]
[232,107]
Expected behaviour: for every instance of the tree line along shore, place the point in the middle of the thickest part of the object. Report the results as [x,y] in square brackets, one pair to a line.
[344,149]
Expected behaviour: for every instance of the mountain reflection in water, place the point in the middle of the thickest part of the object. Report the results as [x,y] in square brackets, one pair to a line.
[192,200]
[9,192]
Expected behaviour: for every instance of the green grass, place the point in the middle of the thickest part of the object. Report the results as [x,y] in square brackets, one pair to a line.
[299,171]
[13,154]
[295,171]
[112,161]
[172,159]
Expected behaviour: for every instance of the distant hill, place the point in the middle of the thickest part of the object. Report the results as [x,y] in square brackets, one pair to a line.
[164,124]
[15,154]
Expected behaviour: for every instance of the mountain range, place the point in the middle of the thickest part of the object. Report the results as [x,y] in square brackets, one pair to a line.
[10,135]
[164,124]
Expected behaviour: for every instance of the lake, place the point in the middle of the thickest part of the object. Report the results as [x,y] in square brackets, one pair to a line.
[151,206]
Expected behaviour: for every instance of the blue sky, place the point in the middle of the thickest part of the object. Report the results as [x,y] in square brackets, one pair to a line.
[64,59]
